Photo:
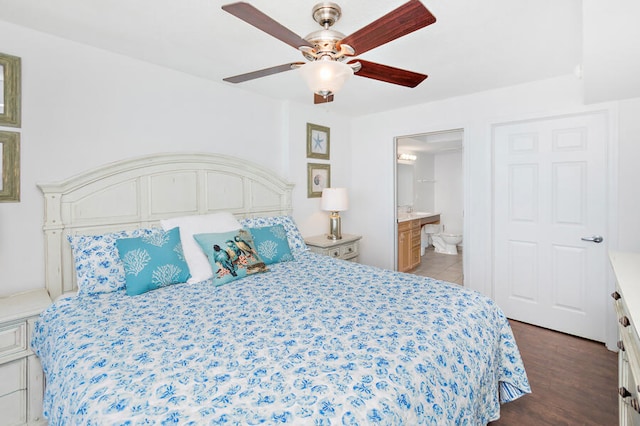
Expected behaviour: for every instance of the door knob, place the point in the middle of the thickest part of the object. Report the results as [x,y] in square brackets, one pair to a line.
[594,239]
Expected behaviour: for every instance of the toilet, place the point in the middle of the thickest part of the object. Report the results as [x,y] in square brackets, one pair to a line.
[427,231]
[446,243]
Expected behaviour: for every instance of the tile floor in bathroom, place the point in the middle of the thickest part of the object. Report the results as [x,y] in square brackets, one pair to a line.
[446,267]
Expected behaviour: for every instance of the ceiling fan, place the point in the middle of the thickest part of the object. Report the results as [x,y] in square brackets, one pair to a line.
[330,53]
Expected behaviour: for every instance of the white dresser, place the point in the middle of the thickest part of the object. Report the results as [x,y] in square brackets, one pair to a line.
[626,267]
[21,378]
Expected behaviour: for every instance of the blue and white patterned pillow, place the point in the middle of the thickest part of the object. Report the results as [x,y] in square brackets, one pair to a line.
[296,242]
[232,255]
[98,266]
[271,243]
[153,261]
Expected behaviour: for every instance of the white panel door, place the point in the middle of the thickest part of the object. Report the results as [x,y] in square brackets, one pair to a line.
[550,181]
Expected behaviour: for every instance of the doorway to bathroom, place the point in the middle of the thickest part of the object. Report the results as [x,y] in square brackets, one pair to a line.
[429,181]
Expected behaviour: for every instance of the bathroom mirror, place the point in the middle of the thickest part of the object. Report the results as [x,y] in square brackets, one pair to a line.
[405,190]
[10,91]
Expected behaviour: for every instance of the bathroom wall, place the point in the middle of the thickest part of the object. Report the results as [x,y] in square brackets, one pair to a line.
[424,197]
[434,183]
[449,190]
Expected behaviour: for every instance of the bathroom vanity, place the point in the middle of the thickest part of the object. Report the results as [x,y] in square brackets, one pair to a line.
[409,238]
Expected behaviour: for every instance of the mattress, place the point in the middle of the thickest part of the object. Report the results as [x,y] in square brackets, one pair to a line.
[313,341]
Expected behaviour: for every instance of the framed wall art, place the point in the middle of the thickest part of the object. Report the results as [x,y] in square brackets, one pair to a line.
[10,164]
[9,90]
[318,141]
[318,178]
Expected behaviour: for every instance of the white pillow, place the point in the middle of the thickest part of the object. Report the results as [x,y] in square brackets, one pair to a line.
[199,266]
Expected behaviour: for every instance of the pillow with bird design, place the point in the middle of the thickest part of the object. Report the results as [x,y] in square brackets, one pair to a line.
[199,266]
[232,255]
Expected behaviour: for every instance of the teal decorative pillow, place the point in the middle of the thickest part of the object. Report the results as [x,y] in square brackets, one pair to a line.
[153,261]
[296,242]
[232,255]
[271,243]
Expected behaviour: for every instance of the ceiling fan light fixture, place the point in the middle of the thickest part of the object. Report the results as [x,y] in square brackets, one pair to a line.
[327,49]
[325,77]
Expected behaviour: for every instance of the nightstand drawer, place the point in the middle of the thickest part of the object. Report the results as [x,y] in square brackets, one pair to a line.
[14,408]
[21,376]
[13,339]
[13,376]
[335,252]
[349,250]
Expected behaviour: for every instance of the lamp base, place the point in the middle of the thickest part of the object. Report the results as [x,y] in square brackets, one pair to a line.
[335,227]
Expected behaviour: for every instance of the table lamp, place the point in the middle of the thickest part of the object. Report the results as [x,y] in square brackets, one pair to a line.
[334,200]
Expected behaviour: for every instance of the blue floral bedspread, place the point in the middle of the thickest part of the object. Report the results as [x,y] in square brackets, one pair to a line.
[314,341]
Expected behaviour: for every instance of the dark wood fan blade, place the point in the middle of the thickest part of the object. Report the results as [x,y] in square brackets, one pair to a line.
[318,99]
[389,74]
[253,16]
[404,20]
[262,73]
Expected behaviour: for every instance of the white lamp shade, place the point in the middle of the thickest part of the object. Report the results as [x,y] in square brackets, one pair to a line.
[325,77]
[334,199]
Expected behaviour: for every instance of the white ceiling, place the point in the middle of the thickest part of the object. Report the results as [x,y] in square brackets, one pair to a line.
[473,46]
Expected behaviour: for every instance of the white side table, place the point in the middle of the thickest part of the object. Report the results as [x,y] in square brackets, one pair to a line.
[626,267]
[21,377]
[346,248]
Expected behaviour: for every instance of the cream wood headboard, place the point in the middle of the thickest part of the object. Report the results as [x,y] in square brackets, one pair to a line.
[139,192]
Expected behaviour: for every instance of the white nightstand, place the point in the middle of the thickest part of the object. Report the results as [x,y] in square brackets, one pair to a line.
[346,248]
[21,378]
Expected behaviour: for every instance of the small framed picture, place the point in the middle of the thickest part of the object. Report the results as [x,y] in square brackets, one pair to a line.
[318,139]
[318,178]
[10,165]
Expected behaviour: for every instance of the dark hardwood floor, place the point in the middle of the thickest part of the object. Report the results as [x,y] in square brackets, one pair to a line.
[573,381]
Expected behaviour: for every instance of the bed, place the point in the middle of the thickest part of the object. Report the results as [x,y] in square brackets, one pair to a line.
[313,340]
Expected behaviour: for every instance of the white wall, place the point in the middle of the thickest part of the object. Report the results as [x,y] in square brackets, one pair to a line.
[309,218]
[611,49]
[474,113]
[628,205]
[83,107]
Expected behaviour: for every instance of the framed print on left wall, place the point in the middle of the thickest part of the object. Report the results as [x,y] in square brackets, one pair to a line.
[10,164]
[9,90]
